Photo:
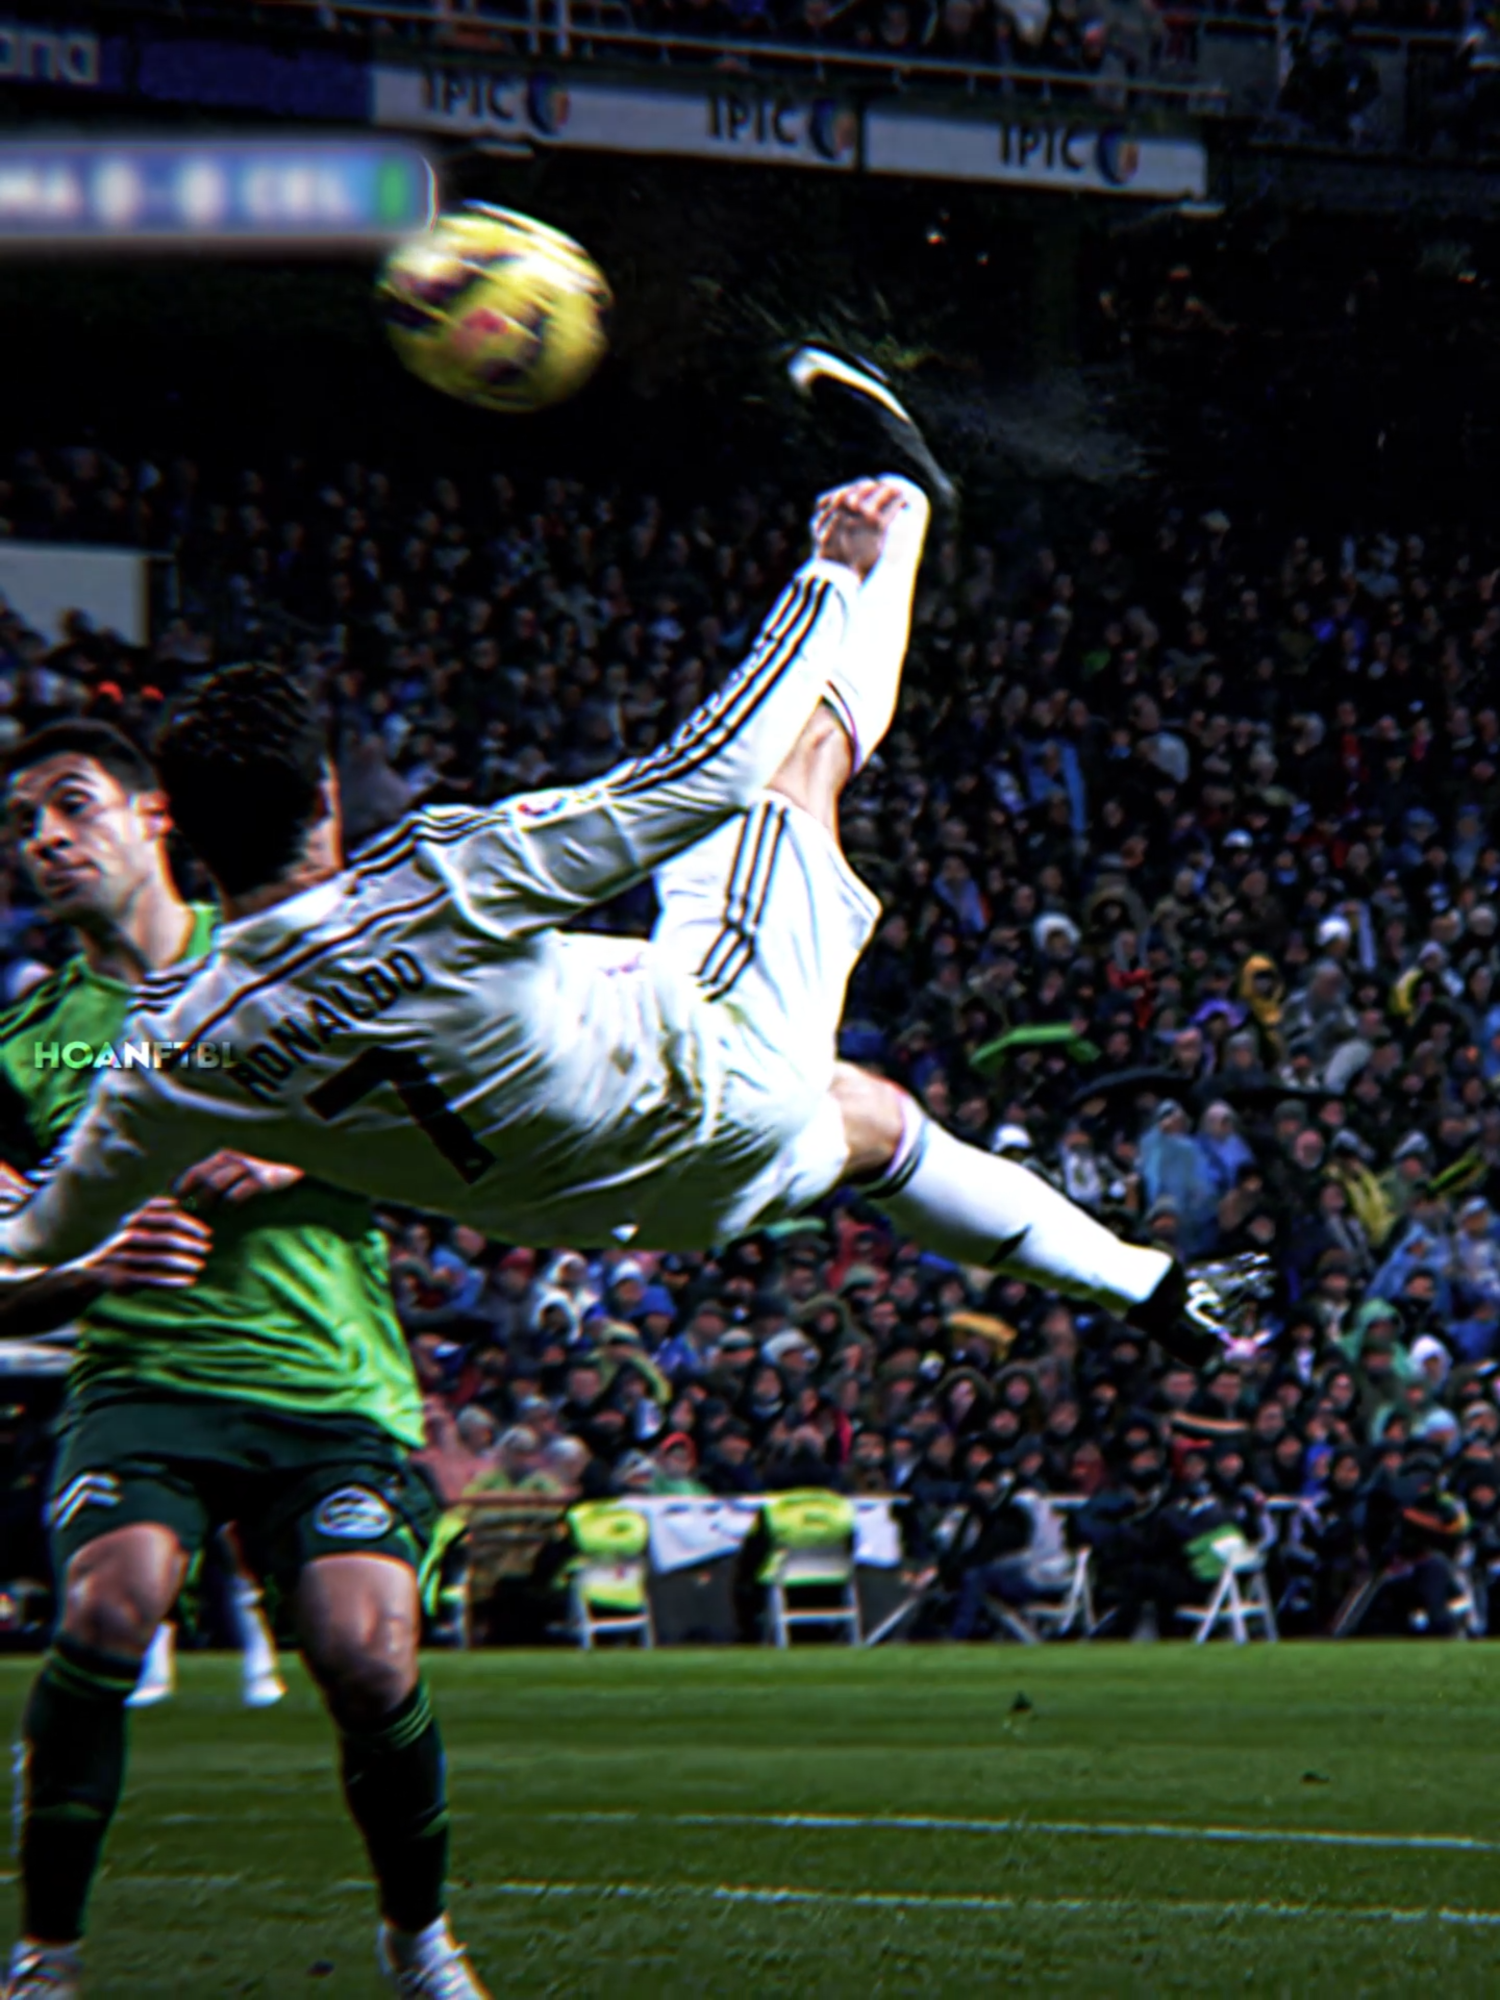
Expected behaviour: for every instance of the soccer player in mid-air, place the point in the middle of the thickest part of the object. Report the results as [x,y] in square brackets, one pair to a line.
[418,1025]
[264,1383]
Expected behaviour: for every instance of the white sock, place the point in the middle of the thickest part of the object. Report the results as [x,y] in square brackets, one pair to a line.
[978,1209]
[159,1663]
[865,684]
[251,1633]
[411,1947]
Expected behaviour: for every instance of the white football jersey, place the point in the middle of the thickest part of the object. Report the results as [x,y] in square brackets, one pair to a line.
[420,1030]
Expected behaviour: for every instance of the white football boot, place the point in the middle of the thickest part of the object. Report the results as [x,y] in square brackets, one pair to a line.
[427,1966]
[44,1972]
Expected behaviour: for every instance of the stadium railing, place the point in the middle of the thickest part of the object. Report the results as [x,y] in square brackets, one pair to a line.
[1432,95]
[607,31]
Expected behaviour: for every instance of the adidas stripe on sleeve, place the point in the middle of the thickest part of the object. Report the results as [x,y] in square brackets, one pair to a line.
[547,855]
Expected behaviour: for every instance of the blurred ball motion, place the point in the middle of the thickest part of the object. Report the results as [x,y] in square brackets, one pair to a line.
[496,309]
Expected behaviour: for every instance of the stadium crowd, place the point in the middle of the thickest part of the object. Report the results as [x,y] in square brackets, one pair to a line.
[1112,38]
[1192,902]
[1070,31]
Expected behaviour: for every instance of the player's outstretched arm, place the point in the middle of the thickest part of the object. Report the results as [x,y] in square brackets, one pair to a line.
[562,851]
[158,1248]
[138,1133]
[163,1246]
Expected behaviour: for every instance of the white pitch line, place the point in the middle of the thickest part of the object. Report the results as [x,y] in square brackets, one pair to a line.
[775,1896]
[1111,1907]
[177,1881]
[1247,1836]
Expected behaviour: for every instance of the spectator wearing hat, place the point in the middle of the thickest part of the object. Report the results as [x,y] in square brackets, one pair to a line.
[676,1467]
[1173,1170]
[730,1362]
[793,1355]
[1226,1155]
[509,1300]
[655,1313]
[1420,1246]
[568,1275]
[1263,991]
[1012,1141]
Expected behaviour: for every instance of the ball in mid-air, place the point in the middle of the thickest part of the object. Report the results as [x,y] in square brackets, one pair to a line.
[496,309]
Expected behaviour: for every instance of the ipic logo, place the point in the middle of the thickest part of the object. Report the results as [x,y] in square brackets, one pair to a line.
[133,1055]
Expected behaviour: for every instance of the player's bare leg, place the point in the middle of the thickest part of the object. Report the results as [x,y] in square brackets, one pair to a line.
[119,1588]
[359,1622]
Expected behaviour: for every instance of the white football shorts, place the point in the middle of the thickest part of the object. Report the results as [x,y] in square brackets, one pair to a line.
[769,919]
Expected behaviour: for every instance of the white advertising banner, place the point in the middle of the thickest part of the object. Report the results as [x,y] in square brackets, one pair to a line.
[43,581]
[687,1532]
[1042,151]
[721,118]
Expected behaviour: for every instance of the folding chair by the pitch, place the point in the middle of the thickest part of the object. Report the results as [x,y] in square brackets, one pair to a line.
[607,1578]
[1240,1597]
[809,1571]
[1058,1615]
[1064,1603]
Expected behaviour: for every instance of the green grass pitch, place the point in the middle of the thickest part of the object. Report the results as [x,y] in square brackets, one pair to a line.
[1108,1820]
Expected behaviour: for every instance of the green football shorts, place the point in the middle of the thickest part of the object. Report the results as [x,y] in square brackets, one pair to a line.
[295,1488]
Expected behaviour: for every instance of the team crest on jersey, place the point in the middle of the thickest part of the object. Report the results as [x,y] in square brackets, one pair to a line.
[537,811]
[89,1489]
[353,1514]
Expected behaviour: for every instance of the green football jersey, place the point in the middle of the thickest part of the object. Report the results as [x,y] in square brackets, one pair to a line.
[293,1309]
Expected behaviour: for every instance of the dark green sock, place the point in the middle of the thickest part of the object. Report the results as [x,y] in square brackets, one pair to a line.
[396,1782]
[73,1741]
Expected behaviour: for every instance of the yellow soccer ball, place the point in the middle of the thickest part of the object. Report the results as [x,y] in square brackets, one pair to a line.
[496,309]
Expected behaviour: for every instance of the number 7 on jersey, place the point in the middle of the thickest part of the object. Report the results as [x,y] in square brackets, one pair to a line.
[421,1096]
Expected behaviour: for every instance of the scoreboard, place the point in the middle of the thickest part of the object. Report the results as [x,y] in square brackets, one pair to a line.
[161,193]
